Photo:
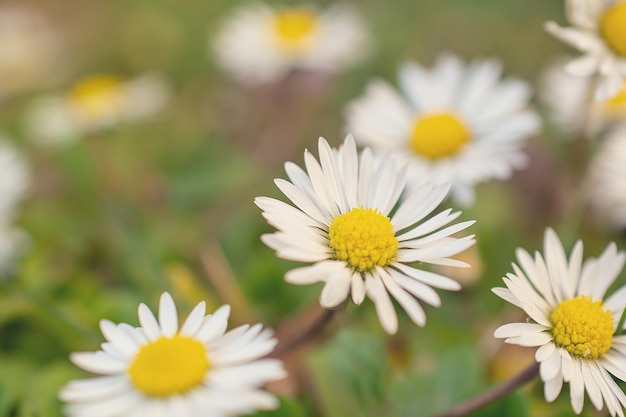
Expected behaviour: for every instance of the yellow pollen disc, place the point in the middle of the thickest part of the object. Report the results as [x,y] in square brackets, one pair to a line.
[363,238]
[97,97]
[294,28]
[613,28]
[169,366]
[583,327]
[439,135]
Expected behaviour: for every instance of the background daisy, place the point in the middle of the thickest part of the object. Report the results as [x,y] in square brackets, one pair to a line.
[194,370]
[260,43]
[458,123]
[606,182]
[94,103]
[348,221]
[568,99]
[599,31]
[572,321]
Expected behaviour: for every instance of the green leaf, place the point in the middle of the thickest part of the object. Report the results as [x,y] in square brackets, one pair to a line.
[350,375]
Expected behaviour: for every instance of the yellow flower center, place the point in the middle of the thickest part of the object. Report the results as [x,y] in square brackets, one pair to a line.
[169,366]
[613,28]
[439,135]
[294,28]
[363,238]
[583,327]
[97,98]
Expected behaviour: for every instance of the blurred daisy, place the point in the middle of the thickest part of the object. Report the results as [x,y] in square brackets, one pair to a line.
[571,322]
[348,220]
[30,51]
[599,31]
[260,44]
[456,122]
[568,100]
[161,369]
[95,103]
[606,183]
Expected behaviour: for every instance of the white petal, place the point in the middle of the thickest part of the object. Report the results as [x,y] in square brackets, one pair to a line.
[148,322]
[194,320]
[337,289]
[384,308]
[168,317]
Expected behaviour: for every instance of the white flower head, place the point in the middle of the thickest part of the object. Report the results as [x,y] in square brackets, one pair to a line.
[571,321]
[606,182]
[599,32]
[570,105]
[95,103]
[161,369]
[260,44]
[455,123]
[349,222]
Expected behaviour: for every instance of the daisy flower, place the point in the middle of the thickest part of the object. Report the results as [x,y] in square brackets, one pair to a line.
[599,32]
[458,123]
[260,44]
[161,369]
[95,103]
[30,51]
[571,321]
[348,221]
[606,183]
[568,100]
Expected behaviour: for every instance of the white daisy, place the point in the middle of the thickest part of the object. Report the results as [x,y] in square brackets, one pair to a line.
[568,100]
[606,183]
[31,49]
[456,122]
[95,103]
[260,44]
[161,369]
[570,321]
[599,31]
[348,220]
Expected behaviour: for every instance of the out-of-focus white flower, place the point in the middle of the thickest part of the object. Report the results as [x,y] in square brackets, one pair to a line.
[161,369]
[606,183]
[572,321]
[599,32]
[455,123]
[29,49]
[259,43]
[95,103]
[568,99]
[348,221]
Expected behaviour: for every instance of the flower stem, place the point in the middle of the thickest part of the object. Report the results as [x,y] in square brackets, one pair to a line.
[313,329]
[493,394]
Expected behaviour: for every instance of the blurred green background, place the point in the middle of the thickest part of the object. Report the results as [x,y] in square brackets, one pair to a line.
[165,204]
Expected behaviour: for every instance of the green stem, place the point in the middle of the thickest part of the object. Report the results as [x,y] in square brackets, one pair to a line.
[493,394]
